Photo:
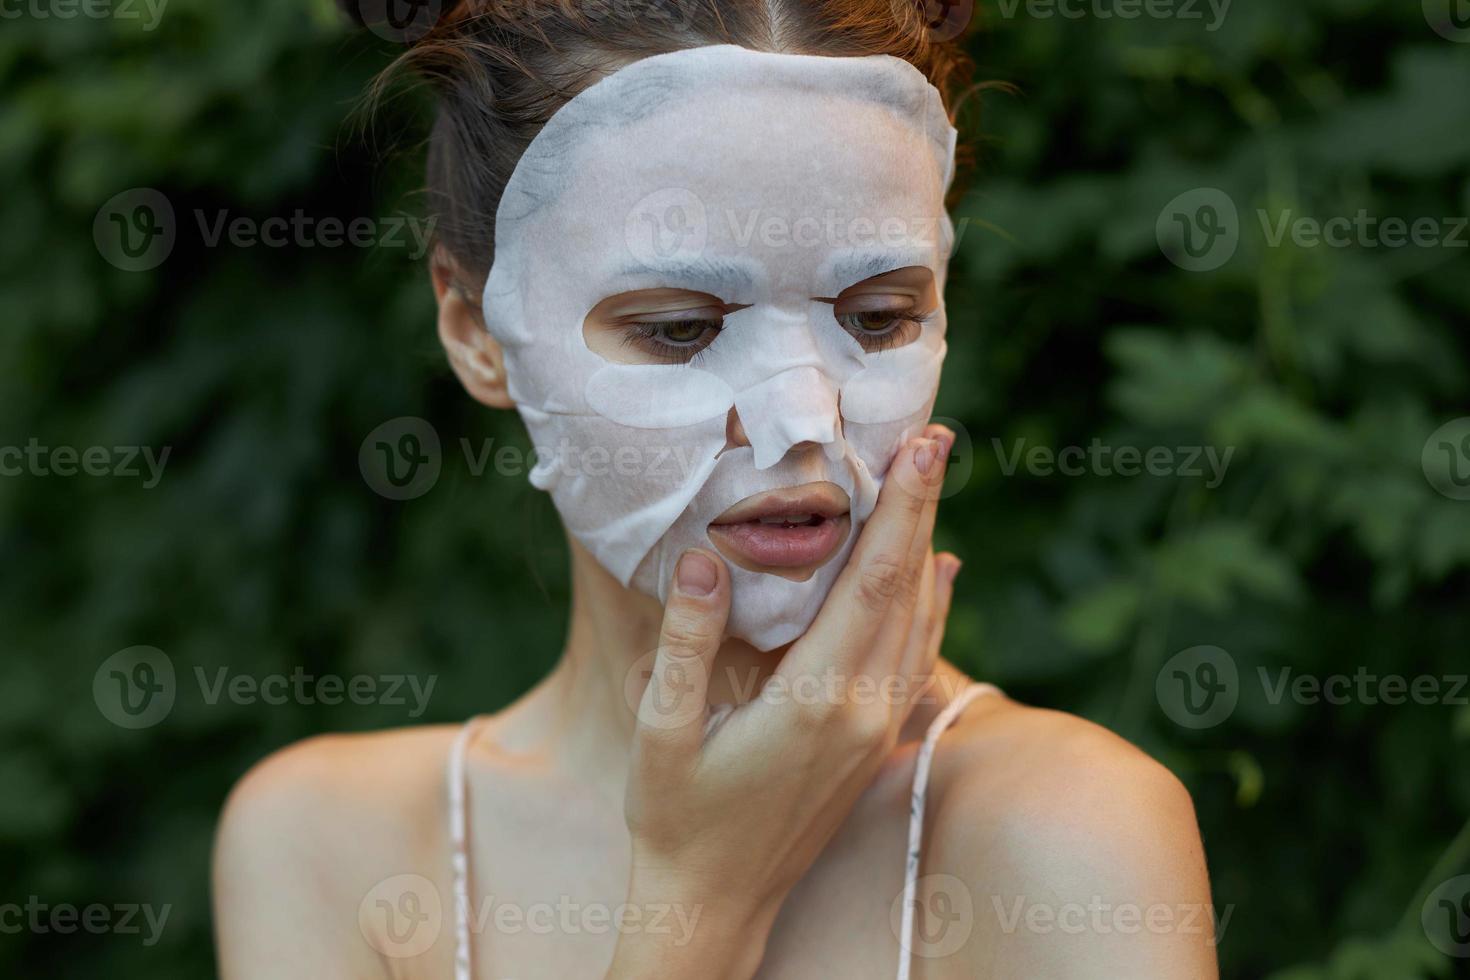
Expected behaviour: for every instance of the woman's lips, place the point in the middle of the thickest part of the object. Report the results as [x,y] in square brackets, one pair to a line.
[782,545]
[789,529]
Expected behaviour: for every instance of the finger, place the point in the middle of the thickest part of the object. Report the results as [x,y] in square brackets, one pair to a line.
[878,573]
[675,704]
[948,572]
[892,669]
[894,635]
[910,650]
[922,652]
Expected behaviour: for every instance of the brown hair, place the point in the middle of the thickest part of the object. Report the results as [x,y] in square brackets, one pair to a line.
[501,68]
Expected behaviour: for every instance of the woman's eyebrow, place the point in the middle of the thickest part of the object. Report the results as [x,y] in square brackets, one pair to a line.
[854,273]
[860,266]
[712,276]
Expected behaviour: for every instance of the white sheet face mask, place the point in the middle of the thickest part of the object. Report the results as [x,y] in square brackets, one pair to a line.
[772,182]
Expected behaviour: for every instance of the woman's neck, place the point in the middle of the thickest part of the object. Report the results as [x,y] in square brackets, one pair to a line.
[583,714]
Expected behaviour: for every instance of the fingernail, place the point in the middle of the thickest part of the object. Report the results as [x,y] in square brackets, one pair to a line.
[696,574]
[946,443]
[924,456]
[952,570]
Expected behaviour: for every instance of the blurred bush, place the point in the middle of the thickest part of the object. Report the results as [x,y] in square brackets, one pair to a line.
[1315,375]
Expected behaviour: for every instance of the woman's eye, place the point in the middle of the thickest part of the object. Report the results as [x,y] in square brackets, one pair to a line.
[872,322]
[685,331]
[674,340]
[881,329]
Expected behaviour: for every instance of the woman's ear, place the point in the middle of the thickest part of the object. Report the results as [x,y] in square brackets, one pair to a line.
[476,357]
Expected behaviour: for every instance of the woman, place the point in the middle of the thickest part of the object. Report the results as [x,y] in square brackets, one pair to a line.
[713,289]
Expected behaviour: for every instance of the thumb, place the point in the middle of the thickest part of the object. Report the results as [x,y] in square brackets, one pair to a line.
[674,707]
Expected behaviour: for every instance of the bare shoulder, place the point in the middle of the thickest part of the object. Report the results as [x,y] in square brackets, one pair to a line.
[1073,846]
[1053,766]
[314,789]
[309,832]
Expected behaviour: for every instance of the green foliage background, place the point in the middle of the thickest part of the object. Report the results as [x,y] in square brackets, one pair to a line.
[1325,550]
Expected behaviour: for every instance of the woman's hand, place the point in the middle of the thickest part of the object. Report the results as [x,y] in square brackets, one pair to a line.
[730,823]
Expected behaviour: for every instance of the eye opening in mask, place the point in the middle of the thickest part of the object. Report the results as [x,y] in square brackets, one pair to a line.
[676,326]
[887,310]
[656,326]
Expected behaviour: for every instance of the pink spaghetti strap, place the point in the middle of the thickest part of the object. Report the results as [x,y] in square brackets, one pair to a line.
[459,854]
[916,817]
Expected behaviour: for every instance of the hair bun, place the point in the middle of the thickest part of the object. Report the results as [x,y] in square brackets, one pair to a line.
[402,21]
